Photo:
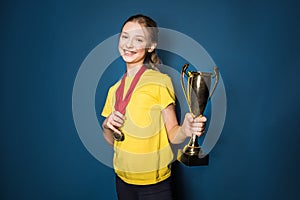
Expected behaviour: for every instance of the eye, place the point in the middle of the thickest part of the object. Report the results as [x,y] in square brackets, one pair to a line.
[140,40]
[124,36]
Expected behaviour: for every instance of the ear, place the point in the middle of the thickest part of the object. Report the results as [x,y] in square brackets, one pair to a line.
[152,47]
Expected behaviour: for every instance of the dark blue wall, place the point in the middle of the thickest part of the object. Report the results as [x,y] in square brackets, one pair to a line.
[255,44]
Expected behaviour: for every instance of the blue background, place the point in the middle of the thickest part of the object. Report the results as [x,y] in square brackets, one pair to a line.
[254,43]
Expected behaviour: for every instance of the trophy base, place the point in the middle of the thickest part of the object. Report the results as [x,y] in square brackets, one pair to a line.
[192,160]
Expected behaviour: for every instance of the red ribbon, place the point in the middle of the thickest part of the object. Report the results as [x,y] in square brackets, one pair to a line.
[121,103]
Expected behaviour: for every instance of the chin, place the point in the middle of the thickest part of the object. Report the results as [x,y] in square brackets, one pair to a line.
[128,59]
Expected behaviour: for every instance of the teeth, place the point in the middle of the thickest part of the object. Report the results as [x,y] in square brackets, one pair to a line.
[129,52]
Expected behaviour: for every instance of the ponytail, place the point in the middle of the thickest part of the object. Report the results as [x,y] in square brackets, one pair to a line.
[152,60]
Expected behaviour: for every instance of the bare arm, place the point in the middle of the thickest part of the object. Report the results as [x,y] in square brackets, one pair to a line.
[177,134]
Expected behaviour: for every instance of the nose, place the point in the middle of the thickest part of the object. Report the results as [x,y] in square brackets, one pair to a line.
[129,43]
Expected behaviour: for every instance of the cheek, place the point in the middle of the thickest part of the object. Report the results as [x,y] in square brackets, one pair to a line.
[121,44]
[120,47]
[141,46]
[141,51]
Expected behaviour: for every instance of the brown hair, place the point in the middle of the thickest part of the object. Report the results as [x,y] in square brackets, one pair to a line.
[152,58]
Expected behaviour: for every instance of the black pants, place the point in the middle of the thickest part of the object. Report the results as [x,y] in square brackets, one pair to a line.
[158,191]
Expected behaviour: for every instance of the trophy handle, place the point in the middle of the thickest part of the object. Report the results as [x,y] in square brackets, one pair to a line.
[216,75]
[183,71]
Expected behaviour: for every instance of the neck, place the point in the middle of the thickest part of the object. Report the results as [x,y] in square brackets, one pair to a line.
[132,70]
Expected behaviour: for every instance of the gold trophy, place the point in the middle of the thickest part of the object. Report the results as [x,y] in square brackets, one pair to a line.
[197,94]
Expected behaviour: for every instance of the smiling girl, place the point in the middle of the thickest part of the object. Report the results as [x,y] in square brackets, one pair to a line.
[141,119]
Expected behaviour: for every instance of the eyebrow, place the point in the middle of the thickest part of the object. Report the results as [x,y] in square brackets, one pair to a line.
[123,32]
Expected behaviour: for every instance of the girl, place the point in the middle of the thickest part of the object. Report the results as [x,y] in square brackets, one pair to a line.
[141,109]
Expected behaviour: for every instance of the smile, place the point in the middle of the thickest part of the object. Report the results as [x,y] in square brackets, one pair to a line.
[128,53]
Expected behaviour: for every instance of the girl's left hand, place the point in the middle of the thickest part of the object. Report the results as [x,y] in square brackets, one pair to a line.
[193,125]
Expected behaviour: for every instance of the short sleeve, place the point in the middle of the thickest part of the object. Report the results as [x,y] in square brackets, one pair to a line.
[108,107]
[166,92]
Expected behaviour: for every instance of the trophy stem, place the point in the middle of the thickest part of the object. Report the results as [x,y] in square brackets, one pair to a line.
[192,148]
[194,141]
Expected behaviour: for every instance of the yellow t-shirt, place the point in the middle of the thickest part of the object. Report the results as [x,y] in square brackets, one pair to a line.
[145,154]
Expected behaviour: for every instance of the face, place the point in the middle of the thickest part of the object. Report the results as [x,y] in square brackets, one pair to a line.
[132,44]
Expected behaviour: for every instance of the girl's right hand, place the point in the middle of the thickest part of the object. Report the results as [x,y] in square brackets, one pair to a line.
[114,121]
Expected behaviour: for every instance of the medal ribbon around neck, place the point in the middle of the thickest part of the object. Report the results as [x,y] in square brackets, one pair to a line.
[121,103]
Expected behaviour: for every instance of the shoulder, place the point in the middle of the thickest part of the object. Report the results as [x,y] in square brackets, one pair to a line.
[114,87]
[156,77]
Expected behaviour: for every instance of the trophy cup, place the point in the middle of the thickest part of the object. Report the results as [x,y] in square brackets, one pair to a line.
[197,93]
